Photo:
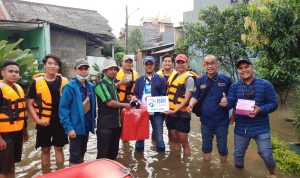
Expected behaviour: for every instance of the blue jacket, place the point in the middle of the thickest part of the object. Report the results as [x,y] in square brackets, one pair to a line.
[71,111]
[158,86]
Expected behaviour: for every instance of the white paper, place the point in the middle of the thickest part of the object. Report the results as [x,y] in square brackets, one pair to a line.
[157,104]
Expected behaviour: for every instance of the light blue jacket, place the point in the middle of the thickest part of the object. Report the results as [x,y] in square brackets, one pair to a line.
[71,111]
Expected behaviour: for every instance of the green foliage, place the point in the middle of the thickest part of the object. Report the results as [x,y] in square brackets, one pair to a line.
[182,46]
[287,161]
[273,31]
[119,56]
[296,108]
[98,69]
[107,50]
[135,40]
[219,33]
[65,69]
[28,66]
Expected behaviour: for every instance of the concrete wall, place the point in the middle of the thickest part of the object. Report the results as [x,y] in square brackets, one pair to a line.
[69,46]
[192,16]
[93,51]
[33,39]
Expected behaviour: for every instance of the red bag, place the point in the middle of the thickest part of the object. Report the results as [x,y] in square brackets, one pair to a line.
[135,124]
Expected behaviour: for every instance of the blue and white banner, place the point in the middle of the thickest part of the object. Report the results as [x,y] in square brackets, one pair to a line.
[157,104]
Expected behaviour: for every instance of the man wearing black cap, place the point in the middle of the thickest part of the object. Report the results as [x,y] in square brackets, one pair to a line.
[256,124]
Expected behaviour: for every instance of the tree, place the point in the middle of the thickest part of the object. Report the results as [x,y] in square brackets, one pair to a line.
[107,50]
[219,33]
[273,31]
[182,46]
[26,61]
[135,40]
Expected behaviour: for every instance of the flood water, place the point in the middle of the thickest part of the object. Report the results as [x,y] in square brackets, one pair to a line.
[150,164]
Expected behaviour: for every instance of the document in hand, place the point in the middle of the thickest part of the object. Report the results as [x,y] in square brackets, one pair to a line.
[244,107]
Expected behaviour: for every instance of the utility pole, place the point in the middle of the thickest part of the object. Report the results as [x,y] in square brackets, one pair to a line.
[126,28]
[126,32]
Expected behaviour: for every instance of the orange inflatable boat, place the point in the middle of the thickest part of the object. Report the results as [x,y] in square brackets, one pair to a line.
[101,168]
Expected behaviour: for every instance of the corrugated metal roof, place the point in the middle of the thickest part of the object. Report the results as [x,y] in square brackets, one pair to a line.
[83,20]
[164,50]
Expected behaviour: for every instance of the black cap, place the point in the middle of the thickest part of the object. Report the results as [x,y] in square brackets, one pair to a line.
[243,61]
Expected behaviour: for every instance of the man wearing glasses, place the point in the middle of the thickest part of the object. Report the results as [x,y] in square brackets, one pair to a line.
[214,117]
[255,125]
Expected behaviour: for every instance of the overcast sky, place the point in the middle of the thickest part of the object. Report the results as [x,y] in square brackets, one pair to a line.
[114,10]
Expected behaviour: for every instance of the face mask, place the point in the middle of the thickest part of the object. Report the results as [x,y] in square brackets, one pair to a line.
[82,78]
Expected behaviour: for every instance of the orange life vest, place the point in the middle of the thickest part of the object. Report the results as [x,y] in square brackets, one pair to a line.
[171,76]
[13,110]
[43,102]
[177,90]
[125,90]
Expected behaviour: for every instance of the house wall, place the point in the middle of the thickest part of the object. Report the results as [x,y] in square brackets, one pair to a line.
[93,51]
[33,39]
[192,16]
[67,45]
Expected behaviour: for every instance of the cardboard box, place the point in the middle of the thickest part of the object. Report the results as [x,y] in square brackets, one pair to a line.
[244,107]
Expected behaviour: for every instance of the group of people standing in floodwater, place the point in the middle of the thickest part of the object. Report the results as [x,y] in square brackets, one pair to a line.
[65,111]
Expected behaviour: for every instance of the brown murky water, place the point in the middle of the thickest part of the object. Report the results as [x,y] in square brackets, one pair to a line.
[170,164]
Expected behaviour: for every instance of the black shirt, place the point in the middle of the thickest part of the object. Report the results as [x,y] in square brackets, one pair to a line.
[54,87]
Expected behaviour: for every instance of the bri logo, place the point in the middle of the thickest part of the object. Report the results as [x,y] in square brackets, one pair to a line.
[161,100]
[151,102]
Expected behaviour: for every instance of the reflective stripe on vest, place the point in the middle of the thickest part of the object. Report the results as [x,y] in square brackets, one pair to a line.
[177,90]
[13,109]
[122,91]
[43,102]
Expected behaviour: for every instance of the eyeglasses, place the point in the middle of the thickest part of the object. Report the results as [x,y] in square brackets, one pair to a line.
[206,64]
[250,94]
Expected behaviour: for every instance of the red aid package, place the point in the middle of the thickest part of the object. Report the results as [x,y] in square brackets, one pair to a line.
[135,124]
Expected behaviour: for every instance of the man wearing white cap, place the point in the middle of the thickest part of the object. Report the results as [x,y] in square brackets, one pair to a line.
[125,80]
[108,123]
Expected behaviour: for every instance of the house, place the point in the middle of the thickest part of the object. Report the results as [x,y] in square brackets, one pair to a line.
[70,33]
[192,16]
[152,30]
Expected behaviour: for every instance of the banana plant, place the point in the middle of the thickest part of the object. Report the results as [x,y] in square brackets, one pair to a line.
[28,64]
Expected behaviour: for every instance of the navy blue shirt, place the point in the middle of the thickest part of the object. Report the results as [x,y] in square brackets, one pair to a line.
[88,117]
[158,86]
[212,113]
[265,98]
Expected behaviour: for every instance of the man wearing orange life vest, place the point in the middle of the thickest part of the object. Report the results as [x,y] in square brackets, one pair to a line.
[179,93]
[43,103]
[125,80]
[168,73]
[12,119]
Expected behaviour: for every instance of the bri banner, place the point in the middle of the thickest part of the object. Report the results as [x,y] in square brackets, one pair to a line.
[157,104]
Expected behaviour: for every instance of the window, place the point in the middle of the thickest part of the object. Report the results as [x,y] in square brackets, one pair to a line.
[234,1]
